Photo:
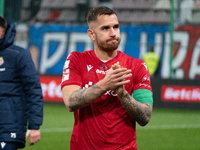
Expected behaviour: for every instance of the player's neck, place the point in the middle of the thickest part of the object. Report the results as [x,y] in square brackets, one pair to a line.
[105,55]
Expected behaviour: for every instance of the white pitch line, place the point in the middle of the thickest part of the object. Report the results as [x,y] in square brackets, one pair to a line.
[148,127]
[56,130]
[163,127]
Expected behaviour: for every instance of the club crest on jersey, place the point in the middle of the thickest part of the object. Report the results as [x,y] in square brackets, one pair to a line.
[1,61]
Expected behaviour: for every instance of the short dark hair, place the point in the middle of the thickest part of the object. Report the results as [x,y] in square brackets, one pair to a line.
[97,11]
[3,23]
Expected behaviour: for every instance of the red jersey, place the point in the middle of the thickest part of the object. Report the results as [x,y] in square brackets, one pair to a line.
[104,124]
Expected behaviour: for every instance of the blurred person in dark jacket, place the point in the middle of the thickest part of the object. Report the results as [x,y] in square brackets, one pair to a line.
[21,101]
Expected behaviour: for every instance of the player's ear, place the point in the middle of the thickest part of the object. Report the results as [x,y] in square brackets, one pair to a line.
[91,34]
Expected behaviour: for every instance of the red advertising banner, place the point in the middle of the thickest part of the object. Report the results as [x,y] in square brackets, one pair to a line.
[51,88]
[180,93]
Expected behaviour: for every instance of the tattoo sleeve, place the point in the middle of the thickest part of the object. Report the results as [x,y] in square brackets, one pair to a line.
[140,112]
[83,97]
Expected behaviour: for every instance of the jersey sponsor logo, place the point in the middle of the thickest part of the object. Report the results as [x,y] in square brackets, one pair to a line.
[89,67]
[1,61]
[100,71]
[3,144]
[110,92]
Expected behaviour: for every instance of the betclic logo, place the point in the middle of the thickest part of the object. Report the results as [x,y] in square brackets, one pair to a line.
[180,93]
[51,88]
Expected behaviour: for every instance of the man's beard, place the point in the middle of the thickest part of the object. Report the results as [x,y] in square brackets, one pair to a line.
[105,46]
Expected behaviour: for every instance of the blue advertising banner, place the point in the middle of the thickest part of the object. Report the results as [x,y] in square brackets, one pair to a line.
[55,42]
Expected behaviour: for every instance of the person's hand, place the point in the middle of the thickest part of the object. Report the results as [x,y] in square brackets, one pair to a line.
[34,136]
[115,79]
[120,89]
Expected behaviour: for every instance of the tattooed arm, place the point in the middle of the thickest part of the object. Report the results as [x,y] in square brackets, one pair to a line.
[75,97]
[141,112]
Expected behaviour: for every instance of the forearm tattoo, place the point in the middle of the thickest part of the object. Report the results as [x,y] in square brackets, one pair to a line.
[83,97]
[140,112]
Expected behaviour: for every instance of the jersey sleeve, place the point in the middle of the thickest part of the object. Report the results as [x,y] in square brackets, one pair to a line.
[141,77]
[142,90]
[71,71]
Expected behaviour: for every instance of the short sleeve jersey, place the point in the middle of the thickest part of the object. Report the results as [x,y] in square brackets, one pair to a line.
[104,124]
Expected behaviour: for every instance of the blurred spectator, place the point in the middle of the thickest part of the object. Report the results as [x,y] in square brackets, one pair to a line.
[152,61]
[82,8]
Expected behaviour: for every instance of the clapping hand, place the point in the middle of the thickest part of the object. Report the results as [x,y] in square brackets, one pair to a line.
[120,89]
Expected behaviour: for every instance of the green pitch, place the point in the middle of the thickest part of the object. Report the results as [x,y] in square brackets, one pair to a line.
[167,130]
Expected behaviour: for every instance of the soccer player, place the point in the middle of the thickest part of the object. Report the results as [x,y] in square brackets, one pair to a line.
[107,90]
[21,100]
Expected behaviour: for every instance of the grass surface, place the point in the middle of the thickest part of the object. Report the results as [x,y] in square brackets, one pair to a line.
[167,130]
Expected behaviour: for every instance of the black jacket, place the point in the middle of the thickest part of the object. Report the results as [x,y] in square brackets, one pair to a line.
[21,98]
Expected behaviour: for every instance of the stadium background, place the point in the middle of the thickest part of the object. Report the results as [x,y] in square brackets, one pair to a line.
[51,29]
